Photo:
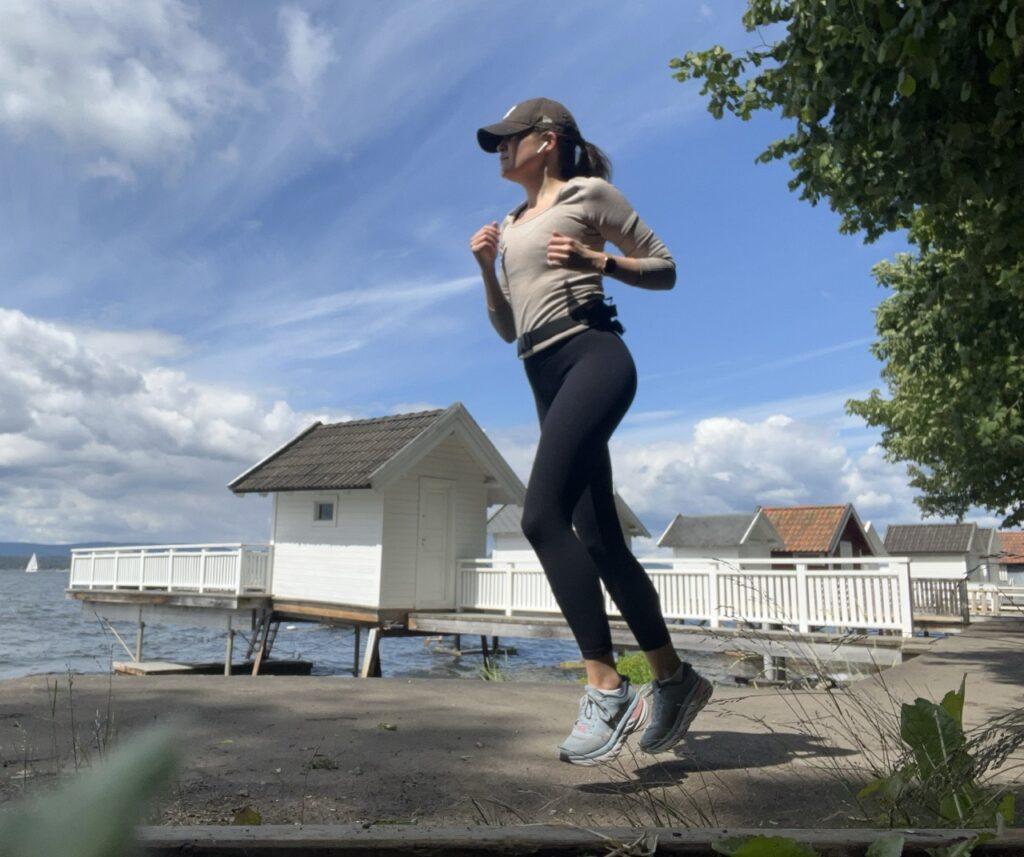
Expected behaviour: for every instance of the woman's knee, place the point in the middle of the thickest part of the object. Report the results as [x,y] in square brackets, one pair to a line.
[537,520]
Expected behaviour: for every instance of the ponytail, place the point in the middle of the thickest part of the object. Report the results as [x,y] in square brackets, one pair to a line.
[582,158]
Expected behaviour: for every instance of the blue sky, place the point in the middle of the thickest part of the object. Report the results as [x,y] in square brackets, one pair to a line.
[223,220]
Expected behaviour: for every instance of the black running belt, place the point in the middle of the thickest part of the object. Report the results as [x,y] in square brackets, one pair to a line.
[593,313]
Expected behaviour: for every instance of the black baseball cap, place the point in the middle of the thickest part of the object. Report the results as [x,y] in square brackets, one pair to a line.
[540,113]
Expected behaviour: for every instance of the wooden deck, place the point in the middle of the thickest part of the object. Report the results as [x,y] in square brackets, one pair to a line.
[883,650]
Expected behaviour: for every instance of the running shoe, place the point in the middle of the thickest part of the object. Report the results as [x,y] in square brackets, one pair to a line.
[603,723]
[674,702]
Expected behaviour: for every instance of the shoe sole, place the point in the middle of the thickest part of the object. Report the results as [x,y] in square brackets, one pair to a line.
[687,713]
[633,721]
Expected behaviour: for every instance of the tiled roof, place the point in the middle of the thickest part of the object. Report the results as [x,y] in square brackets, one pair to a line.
[1012,544]
[928,538]
[336,455]
[806,528]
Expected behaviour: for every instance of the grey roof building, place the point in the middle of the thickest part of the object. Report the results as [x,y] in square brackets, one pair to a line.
[904,539]
[748,533]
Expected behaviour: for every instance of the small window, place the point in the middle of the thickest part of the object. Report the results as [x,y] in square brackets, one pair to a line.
[324,512]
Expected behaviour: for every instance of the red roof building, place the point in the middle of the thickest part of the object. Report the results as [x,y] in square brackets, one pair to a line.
[819,531]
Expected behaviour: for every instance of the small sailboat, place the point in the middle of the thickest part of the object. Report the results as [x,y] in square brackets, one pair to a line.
[33,564]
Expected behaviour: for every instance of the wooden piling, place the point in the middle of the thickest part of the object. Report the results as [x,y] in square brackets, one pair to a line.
[229,651]
[138,639]
[371,658]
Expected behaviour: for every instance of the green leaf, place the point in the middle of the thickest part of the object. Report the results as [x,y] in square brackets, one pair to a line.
[762,846]
[247,815]
[1000,74]
[932,734]
[1005,808]
[887,845]
[961,848]
[907,84]
[95,814]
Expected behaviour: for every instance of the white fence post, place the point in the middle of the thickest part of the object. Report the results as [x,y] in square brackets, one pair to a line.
[965,607]
[714,609]
[202,568]
[117,567]
[239,565]
[803,611]
[509,570]
[906,600]
[92,568]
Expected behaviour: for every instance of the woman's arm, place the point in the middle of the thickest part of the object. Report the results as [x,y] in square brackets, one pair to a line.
[498,308]
[633,272]
[647,262]
[485,246]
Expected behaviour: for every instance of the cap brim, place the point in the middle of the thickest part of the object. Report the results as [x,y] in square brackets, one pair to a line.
[491,135]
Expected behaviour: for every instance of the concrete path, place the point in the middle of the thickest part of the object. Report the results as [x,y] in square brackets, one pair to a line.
[317,749]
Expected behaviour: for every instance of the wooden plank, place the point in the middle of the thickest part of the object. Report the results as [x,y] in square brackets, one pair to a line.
[272,667]
[338,612]
[371,659]
[272,840]
[226,601]
[261,647]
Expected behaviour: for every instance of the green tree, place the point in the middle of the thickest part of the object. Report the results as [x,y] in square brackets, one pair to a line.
[908,115]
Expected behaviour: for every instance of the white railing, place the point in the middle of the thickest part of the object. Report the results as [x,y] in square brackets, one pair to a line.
[237,568]
[869,593]
[990,599]
[941,597]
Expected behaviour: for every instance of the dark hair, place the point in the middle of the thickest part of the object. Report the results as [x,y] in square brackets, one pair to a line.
[582,159]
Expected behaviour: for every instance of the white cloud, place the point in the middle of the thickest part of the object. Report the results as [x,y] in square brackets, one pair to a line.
[308,49]
[105,168]
[130,79]
[732,464]
[97,442]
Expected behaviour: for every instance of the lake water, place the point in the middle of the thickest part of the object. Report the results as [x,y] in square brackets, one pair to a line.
[42,631]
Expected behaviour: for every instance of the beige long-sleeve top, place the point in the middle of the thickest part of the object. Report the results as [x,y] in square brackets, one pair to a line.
[591,210]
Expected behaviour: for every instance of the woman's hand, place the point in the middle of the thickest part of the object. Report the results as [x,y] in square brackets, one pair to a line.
[484,244]
[567,252]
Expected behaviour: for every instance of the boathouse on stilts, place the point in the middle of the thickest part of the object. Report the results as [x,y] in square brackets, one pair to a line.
[369,519]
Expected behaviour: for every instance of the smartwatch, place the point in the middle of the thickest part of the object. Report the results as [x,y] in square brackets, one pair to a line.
[610,265]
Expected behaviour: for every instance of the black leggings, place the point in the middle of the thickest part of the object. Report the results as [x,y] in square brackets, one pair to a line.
[583,385]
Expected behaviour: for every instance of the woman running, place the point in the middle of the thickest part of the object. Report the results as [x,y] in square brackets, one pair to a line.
[547,297]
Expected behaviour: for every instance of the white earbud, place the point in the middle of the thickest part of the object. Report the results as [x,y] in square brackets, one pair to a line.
[542,148]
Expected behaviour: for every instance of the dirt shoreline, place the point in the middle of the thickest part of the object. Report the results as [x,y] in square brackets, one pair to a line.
[317,749]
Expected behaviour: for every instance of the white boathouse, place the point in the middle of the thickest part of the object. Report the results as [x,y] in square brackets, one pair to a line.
[372,514]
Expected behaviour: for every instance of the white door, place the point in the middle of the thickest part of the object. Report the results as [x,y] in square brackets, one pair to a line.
[434,579]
